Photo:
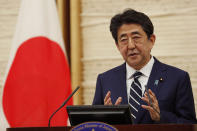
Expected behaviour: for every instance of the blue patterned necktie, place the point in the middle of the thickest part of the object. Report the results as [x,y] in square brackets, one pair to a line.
[135,95]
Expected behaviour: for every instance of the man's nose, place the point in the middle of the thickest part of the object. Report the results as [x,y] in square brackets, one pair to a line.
[131,44]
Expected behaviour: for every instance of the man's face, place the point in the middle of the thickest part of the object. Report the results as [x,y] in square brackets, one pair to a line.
[134,45]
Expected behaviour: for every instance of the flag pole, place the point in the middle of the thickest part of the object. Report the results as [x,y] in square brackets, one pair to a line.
[76,49]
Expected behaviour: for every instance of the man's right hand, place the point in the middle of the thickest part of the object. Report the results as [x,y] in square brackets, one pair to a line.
[107,99]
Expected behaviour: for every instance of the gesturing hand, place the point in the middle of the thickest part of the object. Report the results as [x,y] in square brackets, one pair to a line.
[107,99]
[154,108]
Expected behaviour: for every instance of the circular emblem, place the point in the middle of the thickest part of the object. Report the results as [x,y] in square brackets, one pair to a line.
[94,126]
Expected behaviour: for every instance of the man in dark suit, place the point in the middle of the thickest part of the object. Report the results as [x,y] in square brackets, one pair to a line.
[168,97]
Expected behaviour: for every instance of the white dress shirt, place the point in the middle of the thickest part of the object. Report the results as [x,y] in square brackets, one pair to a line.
[146,70]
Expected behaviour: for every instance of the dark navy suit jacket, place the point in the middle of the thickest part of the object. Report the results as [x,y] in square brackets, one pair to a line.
[174,92]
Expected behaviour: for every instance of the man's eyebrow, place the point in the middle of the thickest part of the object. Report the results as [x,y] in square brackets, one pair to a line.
[135,32]
[132,33]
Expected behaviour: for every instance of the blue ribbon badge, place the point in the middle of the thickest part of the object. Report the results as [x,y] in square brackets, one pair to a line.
[156,82]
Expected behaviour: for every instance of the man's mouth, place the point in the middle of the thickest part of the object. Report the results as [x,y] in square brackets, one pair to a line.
[132,54]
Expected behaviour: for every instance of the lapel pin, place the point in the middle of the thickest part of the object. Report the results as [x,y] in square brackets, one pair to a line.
[161,79]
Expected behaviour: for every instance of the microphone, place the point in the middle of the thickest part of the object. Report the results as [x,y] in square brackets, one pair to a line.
[150,100]
[64,103]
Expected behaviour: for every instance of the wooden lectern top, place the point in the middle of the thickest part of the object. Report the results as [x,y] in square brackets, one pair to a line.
[144,127]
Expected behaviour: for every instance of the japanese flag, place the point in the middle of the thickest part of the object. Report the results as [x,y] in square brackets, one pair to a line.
[37,78]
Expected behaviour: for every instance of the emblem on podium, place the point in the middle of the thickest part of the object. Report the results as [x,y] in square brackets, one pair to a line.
[94,126]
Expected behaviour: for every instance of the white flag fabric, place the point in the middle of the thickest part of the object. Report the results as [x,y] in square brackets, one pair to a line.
[37,79]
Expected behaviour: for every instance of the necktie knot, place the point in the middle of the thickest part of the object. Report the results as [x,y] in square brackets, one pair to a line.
[137,74]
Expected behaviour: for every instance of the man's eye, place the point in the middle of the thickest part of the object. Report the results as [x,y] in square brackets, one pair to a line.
[123,40]
[136,37]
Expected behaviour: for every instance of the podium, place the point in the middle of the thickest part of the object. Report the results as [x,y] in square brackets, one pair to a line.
[145,127]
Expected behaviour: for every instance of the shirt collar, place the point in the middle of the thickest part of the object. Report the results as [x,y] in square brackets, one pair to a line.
[146,70]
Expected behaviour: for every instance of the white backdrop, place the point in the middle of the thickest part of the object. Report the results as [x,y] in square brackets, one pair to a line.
[175,29]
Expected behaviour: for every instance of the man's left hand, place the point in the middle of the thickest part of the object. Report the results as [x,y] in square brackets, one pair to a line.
[154,108]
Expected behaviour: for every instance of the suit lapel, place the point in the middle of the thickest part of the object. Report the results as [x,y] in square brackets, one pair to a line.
[157,74]
[121,73]
[154,83]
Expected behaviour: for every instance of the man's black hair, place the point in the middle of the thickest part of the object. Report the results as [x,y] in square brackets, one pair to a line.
[130,16]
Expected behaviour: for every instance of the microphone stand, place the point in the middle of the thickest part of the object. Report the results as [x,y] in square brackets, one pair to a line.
[64,103]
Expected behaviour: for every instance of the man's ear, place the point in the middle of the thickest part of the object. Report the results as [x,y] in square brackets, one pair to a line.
[152,39]
[117,45]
